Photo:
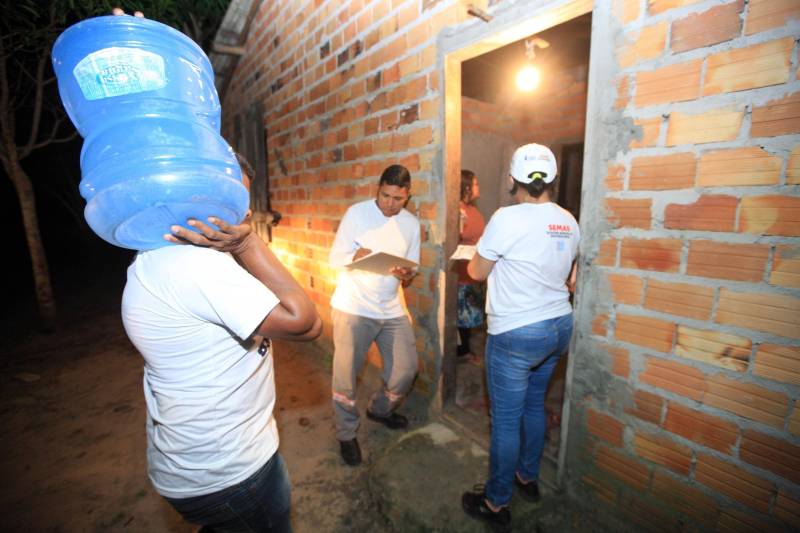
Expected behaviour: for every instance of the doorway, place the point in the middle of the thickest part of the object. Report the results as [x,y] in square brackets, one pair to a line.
[486,119]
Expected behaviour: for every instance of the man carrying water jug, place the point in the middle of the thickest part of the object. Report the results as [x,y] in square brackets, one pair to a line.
[202,317]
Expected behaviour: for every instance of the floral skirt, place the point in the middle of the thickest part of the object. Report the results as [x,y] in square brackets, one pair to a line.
[470,306]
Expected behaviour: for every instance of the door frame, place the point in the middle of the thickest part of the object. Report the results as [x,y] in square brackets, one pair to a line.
[513,24]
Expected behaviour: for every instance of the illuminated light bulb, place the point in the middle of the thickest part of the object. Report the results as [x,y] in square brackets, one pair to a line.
[528,78]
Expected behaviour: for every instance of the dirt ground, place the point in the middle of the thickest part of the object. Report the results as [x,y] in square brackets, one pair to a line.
[73,440]
[73,435]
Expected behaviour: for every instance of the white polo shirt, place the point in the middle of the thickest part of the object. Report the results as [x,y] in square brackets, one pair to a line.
[208,385]
[365,226]
[534,246]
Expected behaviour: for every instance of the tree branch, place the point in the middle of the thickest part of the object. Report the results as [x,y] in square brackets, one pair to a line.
[51,139]
[36,117]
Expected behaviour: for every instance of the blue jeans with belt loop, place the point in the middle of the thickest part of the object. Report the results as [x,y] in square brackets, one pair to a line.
[519,364]
[259,504]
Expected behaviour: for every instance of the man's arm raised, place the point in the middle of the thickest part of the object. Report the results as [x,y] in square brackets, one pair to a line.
[295,317]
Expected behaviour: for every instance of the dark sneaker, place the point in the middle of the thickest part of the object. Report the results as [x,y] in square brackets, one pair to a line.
[351,452]
[474,504]
[393,421]
[529,491]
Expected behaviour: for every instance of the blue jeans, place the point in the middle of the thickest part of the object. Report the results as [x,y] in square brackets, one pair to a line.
[519,364]
[260,503]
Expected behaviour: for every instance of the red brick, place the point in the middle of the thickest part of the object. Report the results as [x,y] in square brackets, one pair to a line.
[622,467]
[711,126]
[632,213]
[700,427]
[607,254]
[674,171]
[623,92]
[773,313]
[648,406]
[714,348]
[747,400]
[673,83]
[619,359]
[718,24]
[734,482]
[778,117]
[735,521]
[659,6]
[779,363]
[614,177]
[420,137]
[686,499]
[771,454]
[645,331]
[766,14]
[770,215]
[663,451]
[675,377]
[600,325]
[708,213]
[647,43]
[605,427]
[739,166]
[620,362]
[646,515]
[793,167]
[741,262]
[693,301]
[651,254]
[626,289]
[787,509]
[794,420]
[627,10]
[786,266]
[759,65]
[602,489]
[650,129]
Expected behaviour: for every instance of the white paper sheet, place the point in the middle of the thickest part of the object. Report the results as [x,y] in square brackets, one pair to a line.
[464,252]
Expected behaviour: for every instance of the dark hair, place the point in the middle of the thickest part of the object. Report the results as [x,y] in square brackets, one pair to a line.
[536,188]
[397,175]
[467,179]
[245,165]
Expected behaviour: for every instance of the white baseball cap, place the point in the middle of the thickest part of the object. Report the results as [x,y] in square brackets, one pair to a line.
[531,162]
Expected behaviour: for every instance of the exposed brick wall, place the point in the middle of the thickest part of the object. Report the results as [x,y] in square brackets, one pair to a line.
[553,115]
[504,121]
[348,88]
[698,271]
[686,387]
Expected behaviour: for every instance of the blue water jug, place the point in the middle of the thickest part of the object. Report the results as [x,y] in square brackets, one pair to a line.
[142,95]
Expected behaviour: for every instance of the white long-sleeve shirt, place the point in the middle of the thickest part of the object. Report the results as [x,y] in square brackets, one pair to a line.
[365,226]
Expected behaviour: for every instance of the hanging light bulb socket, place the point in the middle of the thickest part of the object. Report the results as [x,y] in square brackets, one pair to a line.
[528,77]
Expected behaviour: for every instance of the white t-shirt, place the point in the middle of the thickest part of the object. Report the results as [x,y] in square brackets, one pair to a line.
[533,246]
[208,384]
[365,226]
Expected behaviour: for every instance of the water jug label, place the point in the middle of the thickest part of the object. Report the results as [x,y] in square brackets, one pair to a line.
[117,71]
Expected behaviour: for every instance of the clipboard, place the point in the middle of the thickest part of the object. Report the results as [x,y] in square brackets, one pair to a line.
[381,263]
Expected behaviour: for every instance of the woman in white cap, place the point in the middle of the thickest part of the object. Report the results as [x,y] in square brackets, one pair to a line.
[528,253]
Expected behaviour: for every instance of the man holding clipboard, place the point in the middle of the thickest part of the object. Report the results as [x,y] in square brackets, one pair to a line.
[376,249]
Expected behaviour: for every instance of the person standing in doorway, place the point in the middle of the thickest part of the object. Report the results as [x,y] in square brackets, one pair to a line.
[528,254]
[203,317]
[367,307]
[470,291]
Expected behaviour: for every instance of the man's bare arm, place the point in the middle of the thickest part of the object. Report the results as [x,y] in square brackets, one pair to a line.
[295,317]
